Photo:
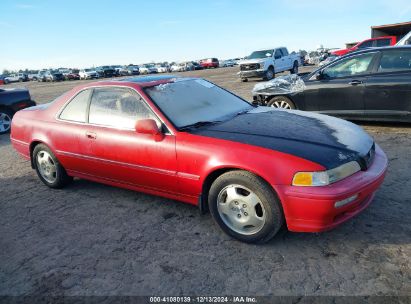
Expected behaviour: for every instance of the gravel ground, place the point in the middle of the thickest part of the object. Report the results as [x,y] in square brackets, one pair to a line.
[92,239]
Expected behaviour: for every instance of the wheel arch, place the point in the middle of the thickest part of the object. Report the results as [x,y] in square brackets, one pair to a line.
[213,175]
[33,144]
[7,108]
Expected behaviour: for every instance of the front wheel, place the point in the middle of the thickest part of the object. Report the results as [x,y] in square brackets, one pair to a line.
[281,102]
[48,168]
[269,74]
[244,79]
[294,70]
[245,207]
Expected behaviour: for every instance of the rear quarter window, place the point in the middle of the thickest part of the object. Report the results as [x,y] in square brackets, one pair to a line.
[383,42]
[366,44]
[395,61]
[76,109]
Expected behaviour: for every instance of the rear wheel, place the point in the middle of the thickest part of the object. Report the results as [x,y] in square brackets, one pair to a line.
[245,207]
[48,168]
[5,121]
[281,102]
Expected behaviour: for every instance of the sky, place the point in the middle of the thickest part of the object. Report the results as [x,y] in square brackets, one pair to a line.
[83,33]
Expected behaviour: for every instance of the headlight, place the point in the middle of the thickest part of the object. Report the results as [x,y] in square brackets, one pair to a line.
[324,178]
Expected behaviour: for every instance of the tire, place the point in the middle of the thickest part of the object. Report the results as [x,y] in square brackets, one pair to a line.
[48,168]
[281,102]
[253,214]
[294,70]
[269,74]
[244,79]
[6,81]
[5,120]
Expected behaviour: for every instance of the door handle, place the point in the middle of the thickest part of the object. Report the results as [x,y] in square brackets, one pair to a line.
[91,135]
[355,82]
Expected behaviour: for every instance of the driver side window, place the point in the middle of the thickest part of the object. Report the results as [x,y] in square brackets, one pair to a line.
[117,107]
[277,54]
[354,65]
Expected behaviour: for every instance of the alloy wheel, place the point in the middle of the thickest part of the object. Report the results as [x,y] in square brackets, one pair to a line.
[281,104]
[241,209]
[270,74]
[46,166]
[5,122]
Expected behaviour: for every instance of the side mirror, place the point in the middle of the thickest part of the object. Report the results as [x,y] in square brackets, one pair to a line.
[148,126]
[319,76]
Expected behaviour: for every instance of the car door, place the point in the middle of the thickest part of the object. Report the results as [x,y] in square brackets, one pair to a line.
[278,61]
[287,64]
[66,138]
[338,89]
[388,90]
[117,152]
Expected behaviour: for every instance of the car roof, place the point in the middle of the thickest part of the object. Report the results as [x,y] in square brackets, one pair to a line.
[273,48]
[383,48]
[145,81]
[148,79]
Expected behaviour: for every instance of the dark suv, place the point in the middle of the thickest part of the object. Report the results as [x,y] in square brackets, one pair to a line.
[106,71]
[49,75]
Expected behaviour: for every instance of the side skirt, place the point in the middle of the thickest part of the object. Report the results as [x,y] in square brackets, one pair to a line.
[192,200]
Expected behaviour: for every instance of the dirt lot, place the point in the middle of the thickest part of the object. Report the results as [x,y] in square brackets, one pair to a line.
[91,239]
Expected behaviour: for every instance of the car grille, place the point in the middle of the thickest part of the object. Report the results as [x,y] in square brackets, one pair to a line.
[248,67]
[367,159]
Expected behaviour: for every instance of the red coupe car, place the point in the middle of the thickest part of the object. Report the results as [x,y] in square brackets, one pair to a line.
[368,43]
[253,168]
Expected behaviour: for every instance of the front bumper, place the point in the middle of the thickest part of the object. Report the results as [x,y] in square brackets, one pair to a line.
[252,73]
[312,209]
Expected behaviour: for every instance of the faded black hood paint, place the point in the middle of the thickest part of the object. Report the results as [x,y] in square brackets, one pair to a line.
[325,140]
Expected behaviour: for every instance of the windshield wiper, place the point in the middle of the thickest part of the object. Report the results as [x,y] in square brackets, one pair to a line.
[199,124]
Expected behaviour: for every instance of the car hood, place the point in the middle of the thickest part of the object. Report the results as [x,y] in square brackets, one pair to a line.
[253,61]
[322,139]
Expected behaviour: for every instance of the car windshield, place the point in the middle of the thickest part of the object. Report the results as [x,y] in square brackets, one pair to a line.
[88,70]
[260,54]
[190,101]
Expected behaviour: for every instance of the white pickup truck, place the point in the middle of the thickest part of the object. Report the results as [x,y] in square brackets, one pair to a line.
[265,63]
